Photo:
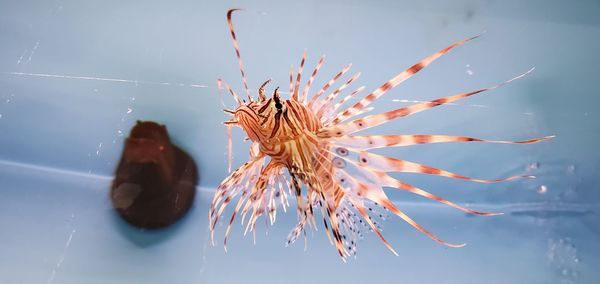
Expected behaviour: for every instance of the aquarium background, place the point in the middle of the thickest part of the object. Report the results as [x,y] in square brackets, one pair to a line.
[76,75]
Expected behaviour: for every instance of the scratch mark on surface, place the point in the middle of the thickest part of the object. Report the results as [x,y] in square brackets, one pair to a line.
[450,104]
[32,52]
[21,58]
[204,262]
[453,104]
[62,258]
[135,82]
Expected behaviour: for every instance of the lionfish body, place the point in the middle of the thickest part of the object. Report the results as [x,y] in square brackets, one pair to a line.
[314,142]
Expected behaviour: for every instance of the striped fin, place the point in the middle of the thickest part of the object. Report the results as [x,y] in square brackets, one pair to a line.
[395,81]
[239,181]
[392,182]
[353,186]
[270,205]
[300,206]
[341,102]
[311,79]
[383,141]
[295,233]
[221,82]
[372,172]
[257,199]
[365,110]
[237,51]
[234,192]
[261,91]
[352,223]
[389,164]
[335,230]
[231,220]
[297,86]
[282,194]
[383,200]
[378,119]
[315,195]
[376,194]
[304,213]
[362,210]
[220,91]
[349,227]
[292,79]
[331,82]
[229,149]
[323,104]
[328,205]
[235,183]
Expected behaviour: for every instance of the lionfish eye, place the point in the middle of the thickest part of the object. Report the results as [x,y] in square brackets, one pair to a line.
[278,104]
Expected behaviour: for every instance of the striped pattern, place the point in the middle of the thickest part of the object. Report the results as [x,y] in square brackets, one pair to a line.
[311,79]
[329,83]
[403,76]
[297,86]
[221,82]
[378,119]
[292,79]
[383,141]
[388,164]
[237,51]
[328,117]
[320,107]
[313,142]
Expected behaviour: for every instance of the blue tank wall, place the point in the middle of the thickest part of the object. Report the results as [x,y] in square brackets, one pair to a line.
[75,76]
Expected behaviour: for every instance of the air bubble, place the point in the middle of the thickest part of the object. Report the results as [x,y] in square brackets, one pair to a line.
[562,255]
[469,71]
[533,166]
[571,169]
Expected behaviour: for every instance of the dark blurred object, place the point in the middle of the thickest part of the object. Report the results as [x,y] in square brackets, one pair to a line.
[155,182]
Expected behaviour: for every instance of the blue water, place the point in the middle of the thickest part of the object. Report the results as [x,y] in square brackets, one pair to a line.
[75,76]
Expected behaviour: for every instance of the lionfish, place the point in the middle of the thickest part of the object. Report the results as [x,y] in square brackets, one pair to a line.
[311,139]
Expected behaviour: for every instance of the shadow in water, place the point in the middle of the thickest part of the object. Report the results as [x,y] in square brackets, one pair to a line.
[149,237]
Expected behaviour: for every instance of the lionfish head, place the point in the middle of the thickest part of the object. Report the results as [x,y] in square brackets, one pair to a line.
[254,117]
